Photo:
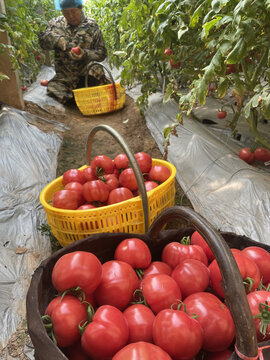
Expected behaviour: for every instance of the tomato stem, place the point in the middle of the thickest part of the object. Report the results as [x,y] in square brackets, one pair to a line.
[139,295]
[139,273]
[248,282]
[264,316]
[185,240]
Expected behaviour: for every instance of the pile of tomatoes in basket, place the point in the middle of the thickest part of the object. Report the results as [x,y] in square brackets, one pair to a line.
[133,308]
[107,181]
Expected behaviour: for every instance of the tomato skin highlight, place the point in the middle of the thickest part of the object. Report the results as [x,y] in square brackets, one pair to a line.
[78,268]
[178,334]
[214,318]
[141,351]
[135,252]
[106,334]
[140,323]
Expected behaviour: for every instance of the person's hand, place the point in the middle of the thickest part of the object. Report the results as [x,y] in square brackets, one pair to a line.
[62,43]
[76,53]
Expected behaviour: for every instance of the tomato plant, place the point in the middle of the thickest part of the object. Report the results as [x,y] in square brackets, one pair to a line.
[160,292]
[118,282]
[171,325]
[214,318]
[247,155]
[140,323]
[65,199]
[78,268]
[135,252]
[106,334]
[141,350]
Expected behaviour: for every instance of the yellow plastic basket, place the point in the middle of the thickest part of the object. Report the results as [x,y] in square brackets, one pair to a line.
[100,99]
[128,216]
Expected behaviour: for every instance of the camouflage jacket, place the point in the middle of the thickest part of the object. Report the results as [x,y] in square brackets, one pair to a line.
[87,35]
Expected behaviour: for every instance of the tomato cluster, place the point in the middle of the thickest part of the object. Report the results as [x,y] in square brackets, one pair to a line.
[131,307]
[107,182]
[260,154]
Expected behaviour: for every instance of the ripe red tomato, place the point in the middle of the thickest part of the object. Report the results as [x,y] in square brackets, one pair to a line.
[141,351]
[66,317]
[191,276]
[215,319]
[144,161]
[128,180]
[246,155]
[78,268]
[262,154]
[52,304]
[247,268]
[157,267]
[44,82]
[168,52]
[119,194]
[95,190]
[159,173]
[76,50]
[175,65]
[140,323]
[110,180]
[102,164]
[160,292]
[259,305]
[106,334]
[89,174]
[38,57]
[230,69]
[261,258]
[78,188]
[219,355]
[24,88]
[174,252]
[76,352]
[72,175]
[65,199]
[86,207]
[135,252]
[172,325]
[221,114]
[121,162]
[118,282]
[197,239]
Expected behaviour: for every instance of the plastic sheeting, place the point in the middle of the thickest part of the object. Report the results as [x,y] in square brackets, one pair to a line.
[28,162]
[231,194]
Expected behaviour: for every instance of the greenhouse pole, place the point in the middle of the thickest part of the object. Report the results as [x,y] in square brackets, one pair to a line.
[10,90]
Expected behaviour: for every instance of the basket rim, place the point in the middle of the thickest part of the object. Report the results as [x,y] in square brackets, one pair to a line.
[97,87]
[56,181]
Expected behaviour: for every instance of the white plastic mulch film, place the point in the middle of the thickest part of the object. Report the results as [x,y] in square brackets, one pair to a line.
[28,162]
[229,193]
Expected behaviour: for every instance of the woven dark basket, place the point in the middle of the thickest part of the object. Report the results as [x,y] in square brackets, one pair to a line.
[103,245]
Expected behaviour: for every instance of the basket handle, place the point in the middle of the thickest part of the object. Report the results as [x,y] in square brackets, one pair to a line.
[132,159]
[88,67]
[245,332]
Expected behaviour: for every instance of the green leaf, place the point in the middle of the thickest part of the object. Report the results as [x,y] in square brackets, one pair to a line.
[209,25]
[237,53]
[223,86]
[182,31]
[266,106]
[195,16]
[169,91]
[167,132]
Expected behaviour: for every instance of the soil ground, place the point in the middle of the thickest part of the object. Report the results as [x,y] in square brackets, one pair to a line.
[129,123]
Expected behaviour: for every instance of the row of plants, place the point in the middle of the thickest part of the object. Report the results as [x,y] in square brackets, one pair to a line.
[22,22]
[187,49]
[217,48]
